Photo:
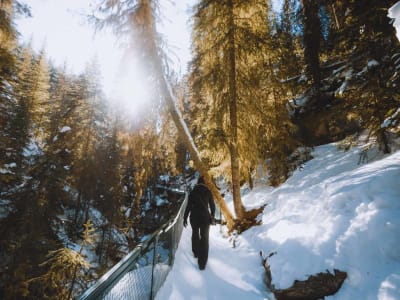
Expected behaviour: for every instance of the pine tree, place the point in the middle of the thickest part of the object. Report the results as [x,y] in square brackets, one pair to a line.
[230,38]
[372,47]
[55,170]
[31,121]
[131,216]
[290,56]
[65,267]
[90,123]
[311,40]
[108,197]
[7,101]
[41,99]
[22,123]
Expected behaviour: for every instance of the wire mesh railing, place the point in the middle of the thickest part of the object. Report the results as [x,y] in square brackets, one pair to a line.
[141,273]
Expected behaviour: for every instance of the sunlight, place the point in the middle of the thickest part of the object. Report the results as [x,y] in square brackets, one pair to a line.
[62,25]
[132,94]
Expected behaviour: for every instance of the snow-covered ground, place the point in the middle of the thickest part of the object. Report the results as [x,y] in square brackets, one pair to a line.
[231,273]
[394,13]
[334,213]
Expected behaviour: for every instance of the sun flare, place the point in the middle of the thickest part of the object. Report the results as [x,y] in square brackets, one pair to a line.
[132,91]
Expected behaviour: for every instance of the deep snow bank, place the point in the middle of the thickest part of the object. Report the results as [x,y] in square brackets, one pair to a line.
[394,13]
[334,213]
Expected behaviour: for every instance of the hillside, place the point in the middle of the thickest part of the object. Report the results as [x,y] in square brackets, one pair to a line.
[332,213]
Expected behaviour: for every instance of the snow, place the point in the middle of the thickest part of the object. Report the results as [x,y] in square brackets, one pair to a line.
[333,213]
[5,171]
[372,64]
[302,101]
[161,201]
[164,178]
[65,129]
[147,206]
[31,150]
[7,167]
[394,13]
[5,208]
[11,165]
[391,121]
[342,88]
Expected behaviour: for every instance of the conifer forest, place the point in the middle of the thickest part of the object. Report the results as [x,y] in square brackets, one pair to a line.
[79,179]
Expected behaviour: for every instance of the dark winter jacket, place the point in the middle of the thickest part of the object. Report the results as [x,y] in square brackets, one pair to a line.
[200,205]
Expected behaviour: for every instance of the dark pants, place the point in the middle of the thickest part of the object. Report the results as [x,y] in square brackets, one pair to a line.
[200,234]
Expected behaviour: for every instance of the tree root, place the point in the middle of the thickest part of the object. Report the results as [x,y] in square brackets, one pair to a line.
[249,220]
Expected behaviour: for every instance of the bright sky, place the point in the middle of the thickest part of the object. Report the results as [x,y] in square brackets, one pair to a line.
[60,27]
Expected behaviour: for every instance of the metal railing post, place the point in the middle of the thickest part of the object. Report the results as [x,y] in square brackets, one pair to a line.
[171,240]
[153,266]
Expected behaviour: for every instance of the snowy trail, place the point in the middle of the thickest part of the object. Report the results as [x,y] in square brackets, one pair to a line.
[231,273]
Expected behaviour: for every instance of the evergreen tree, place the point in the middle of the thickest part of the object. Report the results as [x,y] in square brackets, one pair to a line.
[22,123]
[371,50]
[41,105]
[132,214]
[311,40]
[65,268]
[7,100]
[230,38]
[43,193]
[290,55]
[90,123]
[108,198]
[31,123]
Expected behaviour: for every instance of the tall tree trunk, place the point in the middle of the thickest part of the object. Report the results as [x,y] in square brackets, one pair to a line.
[312,35]
[233,143]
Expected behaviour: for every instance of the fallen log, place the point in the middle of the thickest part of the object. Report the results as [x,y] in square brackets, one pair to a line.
[315,287]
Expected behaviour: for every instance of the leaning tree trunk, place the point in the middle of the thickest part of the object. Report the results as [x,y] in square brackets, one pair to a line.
[184,133]
[233,144]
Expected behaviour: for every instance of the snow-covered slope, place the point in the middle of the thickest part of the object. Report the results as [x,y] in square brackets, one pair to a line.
[334,213]
[394,13]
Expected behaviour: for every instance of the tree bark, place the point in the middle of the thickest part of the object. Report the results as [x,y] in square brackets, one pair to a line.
[312,35]
[233,144]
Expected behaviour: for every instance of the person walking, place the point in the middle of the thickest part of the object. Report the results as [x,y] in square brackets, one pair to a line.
[201,208]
